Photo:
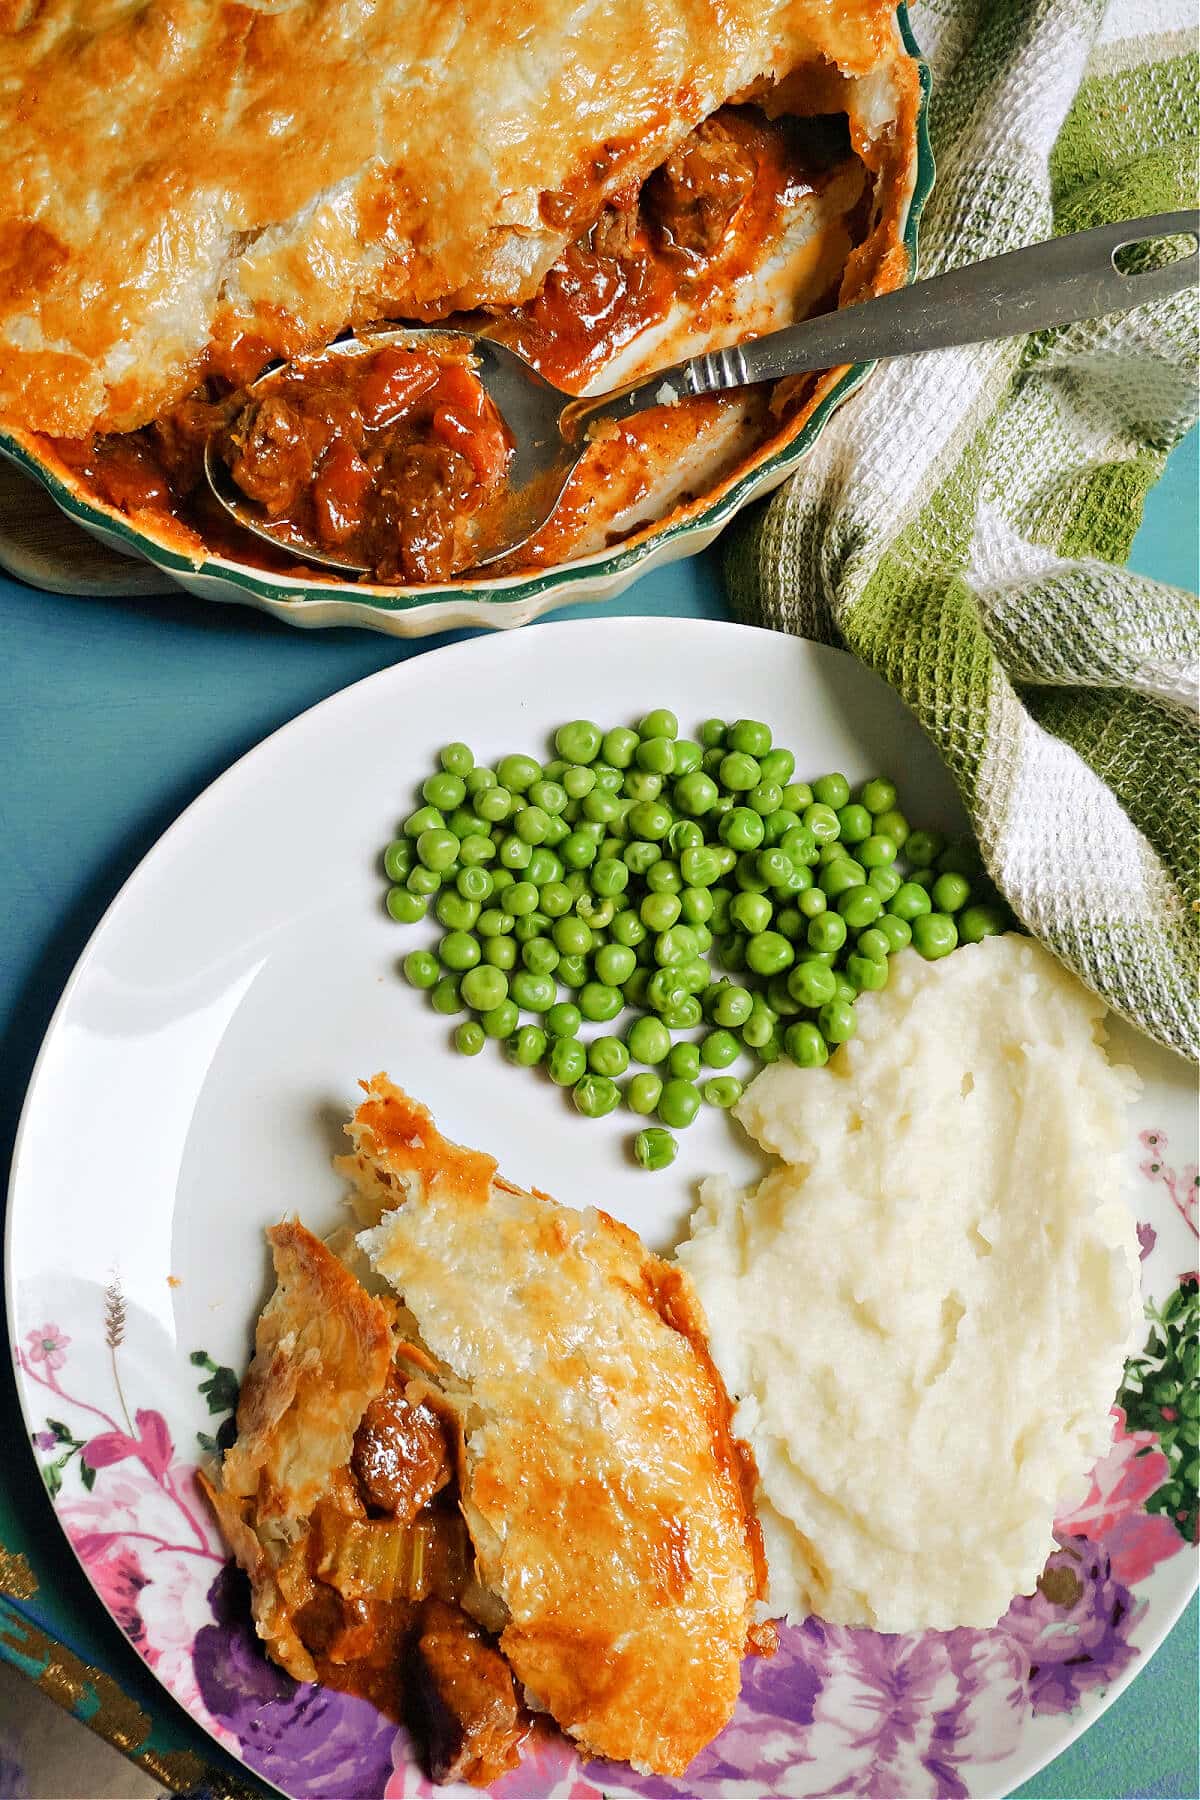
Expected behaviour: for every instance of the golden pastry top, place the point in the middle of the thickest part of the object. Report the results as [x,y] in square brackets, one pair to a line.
[193,184]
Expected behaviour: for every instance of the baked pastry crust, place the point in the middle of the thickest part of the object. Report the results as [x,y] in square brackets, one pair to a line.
[194,185]
[605,1496]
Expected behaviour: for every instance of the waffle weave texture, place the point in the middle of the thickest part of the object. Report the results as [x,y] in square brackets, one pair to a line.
[962,524]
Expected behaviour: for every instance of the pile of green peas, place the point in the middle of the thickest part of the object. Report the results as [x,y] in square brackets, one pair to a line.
[628,870]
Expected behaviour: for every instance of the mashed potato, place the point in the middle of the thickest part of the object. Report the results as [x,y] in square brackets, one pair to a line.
[924,1309]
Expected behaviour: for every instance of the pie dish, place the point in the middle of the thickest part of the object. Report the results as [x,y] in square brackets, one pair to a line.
[519,1480]
[619,194]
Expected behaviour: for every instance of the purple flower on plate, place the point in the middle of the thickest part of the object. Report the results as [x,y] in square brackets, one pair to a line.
[45,1440]
[309,1741]
[1074,1629]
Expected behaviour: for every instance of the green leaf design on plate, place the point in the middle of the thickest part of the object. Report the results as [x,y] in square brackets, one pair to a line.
[1161,1393]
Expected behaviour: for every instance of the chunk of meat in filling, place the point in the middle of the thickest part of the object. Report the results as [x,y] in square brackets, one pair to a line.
[463,1700]
[693,198]
[401,1458]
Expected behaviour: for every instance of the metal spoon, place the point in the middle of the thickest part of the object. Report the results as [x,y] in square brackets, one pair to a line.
[1053,283]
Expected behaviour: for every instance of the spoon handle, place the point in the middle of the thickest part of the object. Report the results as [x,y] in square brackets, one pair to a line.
[1053,283]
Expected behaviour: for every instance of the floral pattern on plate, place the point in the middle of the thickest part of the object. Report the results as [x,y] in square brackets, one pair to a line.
[836,1712]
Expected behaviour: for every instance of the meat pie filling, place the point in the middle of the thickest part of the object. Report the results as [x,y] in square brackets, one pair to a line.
[392,459]
[378,1590]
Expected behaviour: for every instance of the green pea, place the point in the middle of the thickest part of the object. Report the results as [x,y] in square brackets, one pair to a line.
[627,929]
[579,741]
[687,755]
[826,932]
[757,1030]
[607,1056]
[563,1019]
[923,878]
[960,859]
[655,1149]
[658,912]
[790,922]
[578,850]
[493,921]
[475,850]
[734,1006]
[642,1093]
[566,1061]
[923,848]
[719,1048]
[723,1090]
[521,898]
[657,755]
[696,905]
[500,952]
[535,993]
[778,997]
[675,945]
[777,824]
[572,971]
[739,772]
[456,759]
[699,868]
[532,925]
[769,953]
[502,879]
[640,857]
[800,846]
[517,772]
[526,1046]
[426,818]
[599,1002]
[478,778]
[750,736]
[678,1103]
[406,908]
[934,935]
[978,922]
[514,851]
[805,1045]
[885,882]
[892,825]
[841,874]
[775,867]
[650,820]
[539,956]
[600,808]
[797,796]
[726,858]
[485,987]
[684,1061]
[421,968]
[742,829]
[444,790]
[695,793]
[459,951]
[811,903]
[494,805]
[649,1041]
[877,943]
[896,930]
[437,848]
[577,782]
[659,723]
[856,823]
[595,1096]
[398,858]
[469,1038]
[811,984]
[821,821]
[712,734]
[614,965]
[556,899]
[830,790]
[619,746]
[837,1021]
[866,972]
[909,902]
[752,912]
[859,906]
[877,852]
[778,766]
[732,951]
[950,893]
[446,996]
[765,798]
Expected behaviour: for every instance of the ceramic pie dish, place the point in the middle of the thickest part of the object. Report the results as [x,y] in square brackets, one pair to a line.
[841,225]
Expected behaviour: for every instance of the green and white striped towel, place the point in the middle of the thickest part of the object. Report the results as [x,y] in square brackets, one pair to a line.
[961,525]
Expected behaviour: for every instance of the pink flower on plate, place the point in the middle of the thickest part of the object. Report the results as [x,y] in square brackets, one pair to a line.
[118,1577]
[152,1445]
[1122,1482]
[48,1344]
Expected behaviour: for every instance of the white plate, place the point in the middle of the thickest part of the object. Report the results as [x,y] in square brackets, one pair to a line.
[192,1089]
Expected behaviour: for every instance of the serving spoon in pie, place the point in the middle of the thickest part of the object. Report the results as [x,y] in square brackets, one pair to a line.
[518,437]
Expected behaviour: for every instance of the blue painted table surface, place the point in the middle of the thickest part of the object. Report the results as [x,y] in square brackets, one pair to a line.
[115,715]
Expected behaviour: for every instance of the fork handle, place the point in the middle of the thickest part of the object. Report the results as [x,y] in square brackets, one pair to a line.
[1052,283]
